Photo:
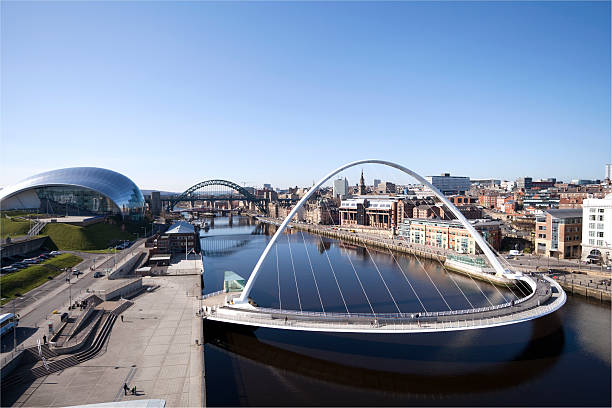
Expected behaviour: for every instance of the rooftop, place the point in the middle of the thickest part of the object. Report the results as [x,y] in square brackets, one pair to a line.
[181,227]
[565,212]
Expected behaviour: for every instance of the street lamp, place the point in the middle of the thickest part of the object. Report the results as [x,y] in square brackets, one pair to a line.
[69,287]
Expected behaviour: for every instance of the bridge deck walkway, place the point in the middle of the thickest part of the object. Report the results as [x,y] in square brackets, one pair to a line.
[548,297]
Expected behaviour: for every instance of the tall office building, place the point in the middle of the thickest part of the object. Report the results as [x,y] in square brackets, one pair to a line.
[340,187]
[448,184]
[608,172]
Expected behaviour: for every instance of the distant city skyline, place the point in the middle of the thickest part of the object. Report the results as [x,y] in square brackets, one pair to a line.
[170,94]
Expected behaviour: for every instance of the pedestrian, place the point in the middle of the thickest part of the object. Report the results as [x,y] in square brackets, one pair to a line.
[45,339]
[121,318]
[125,388]
[134,390]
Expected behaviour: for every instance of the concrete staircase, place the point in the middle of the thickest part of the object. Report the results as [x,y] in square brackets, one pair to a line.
[56,363]
[36,228]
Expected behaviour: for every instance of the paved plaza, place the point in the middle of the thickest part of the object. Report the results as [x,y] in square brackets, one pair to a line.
[153,348]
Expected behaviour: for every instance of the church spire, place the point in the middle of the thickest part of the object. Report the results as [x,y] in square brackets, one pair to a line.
[362,187]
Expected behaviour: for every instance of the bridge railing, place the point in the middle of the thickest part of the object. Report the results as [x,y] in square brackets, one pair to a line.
[246,317]
[212,294]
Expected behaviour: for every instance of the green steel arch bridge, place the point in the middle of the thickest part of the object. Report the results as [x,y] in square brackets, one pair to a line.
[210,191]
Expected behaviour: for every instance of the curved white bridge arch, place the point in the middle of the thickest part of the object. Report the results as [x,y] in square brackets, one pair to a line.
[545,297]
[499,269]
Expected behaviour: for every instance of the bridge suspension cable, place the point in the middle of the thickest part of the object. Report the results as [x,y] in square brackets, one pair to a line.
[280,301]
[383,280]
[294,274]
[406,277]
[473,280]
[352,266]
[312,270]
[335,277]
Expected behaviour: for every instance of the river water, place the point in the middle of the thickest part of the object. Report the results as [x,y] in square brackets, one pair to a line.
[562,359]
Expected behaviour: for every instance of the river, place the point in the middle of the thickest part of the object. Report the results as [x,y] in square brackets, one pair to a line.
[561,359]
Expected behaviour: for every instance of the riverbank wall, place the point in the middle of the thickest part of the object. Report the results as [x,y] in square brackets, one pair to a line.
[576,289]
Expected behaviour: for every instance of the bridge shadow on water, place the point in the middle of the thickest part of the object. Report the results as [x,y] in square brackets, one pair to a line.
[402,369]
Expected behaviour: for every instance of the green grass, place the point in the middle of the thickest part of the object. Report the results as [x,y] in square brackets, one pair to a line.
[13,228]
[26,279]
[90,238]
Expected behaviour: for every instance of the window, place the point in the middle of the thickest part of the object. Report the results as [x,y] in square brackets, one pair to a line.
[599,242]
[592,217]
[591,233]
[591,242]
[592,210]
[600,218]
[601,210]
[600,226]
[592,225]
[600,234]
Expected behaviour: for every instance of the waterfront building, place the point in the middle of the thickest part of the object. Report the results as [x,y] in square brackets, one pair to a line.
[450,234]
[324,212]
[76,191]
[376,182]
[597,229]
[181,237]
[559,233]
[341,188]
[381,212]
[448,184]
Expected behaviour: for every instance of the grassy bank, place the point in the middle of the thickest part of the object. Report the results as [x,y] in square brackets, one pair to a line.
[90,238]
[21,282]
[13,228]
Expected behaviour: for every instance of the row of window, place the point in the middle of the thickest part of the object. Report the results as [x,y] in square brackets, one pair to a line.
[592,226]
[599,234]
[596,217]
[599,242]
[601,210]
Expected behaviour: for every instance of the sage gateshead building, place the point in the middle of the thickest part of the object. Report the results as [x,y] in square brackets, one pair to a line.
[76,191]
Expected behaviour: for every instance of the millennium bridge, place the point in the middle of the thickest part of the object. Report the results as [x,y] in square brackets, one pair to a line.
[539,296]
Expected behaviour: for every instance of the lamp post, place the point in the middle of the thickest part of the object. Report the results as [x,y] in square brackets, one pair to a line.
[69,287]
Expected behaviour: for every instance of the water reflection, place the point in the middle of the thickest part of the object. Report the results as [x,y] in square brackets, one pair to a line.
[543,362]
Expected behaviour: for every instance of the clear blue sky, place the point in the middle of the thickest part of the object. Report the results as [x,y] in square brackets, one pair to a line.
[173,93]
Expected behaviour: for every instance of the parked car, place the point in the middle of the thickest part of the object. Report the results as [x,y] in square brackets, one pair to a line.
[97,274]
[76,272]
[54,253]
[19,265]
[31,261]
[8,269]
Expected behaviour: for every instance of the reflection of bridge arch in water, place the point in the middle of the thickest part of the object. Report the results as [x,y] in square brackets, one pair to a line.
[215,247]
[543,297]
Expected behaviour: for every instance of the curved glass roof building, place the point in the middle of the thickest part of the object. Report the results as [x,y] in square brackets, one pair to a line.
[75,190]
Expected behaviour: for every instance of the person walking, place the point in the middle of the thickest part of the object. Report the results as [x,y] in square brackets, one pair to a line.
[121,318]
[45,339]
[125,388]
[134,390]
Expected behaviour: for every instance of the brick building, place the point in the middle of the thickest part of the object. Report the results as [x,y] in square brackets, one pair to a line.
[559,233]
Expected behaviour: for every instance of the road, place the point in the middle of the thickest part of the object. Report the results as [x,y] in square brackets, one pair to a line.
[36,305]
